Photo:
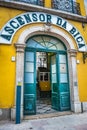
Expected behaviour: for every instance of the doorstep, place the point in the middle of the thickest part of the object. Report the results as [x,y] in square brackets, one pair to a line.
[39,116]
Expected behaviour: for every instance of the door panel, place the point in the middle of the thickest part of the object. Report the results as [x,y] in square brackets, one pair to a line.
[30,83]
[60,82]
[63,83]
[29,104]
[54,83]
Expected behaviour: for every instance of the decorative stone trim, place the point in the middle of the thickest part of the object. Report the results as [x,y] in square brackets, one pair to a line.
[19,76]
[20,47]
[75,103]
[59,33]
[72,52]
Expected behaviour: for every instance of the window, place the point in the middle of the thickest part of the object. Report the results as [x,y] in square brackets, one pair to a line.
[44,76]
[45,42]
[35,2]
[66,5]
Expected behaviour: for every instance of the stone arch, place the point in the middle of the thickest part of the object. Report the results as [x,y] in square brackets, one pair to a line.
[71,52]
[47,31]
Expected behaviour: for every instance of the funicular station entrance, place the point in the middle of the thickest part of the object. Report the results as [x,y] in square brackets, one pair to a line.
[46,82]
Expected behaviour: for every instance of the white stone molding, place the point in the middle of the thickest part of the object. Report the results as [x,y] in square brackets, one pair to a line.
[74,94]
[68,41]
[19,76]
[50,30]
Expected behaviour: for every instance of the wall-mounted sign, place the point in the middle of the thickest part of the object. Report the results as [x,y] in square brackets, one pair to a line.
[21,20]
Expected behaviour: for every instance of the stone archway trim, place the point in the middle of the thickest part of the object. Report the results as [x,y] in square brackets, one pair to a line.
[46,30]
[20,46]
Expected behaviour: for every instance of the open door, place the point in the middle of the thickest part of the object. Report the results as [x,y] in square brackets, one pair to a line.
[64,91]
[54,83]
[60,82]
[30,83]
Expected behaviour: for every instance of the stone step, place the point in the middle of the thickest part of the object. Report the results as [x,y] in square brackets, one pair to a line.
[39,116]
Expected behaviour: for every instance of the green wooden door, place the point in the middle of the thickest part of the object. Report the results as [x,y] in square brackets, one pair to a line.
[30,83]
[54,83]
[63,82]
[60,82]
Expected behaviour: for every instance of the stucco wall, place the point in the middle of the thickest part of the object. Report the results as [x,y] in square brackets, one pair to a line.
[8,67]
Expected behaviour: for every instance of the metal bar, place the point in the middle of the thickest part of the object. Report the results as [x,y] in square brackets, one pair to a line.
[18,104]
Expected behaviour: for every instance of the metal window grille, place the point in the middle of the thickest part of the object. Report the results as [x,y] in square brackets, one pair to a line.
[76,8]
[35,2]
[66,5]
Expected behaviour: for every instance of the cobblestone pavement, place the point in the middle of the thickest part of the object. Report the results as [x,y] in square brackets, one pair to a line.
[67,122]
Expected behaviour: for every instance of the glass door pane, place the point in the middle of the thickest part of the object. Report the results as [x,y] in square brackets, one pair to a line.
[30,83]
[54,83]
[63,83]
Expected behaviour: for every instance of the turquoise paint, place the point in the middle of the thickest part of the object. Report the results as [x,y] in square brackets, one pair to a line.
[60,91]
[30,84]
[18,104]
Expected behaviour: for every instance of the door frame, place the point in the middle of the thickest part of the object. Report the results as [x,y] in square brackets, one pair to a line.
[56,52]
[71,53]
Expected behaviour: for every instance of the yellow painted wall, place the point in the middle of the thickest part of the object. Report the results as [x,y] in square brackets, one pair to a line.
[48,3]
[82,7]
[82,78]
[81,67]
[7,76]
[8,68]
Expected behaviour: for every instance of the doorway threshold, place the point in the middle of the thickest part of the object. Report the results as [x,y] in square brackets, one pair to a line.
[40,116]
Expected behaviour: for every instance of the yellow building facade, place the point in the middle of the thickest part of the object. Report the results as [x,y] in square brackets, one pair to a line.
[22,25]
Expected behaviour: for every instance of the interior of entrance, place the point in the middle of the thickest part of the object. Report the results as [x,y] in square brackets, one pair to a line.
[43,75]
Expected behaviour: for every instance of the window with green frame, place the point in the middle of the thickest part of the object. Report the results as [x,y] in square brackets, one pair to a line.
[45,42]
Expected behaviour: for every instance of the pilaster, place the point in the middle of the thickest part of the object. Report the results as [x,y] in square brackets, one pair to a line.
[19,76]
[75,103]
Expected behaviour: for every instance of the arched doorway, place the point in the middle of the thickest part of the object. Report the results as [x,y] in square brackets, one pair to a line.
[71,56]
[45,75]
